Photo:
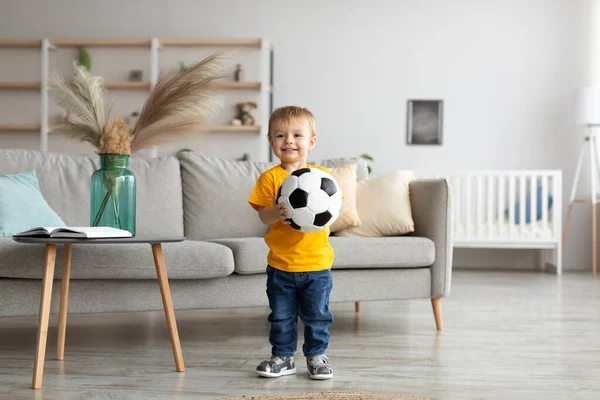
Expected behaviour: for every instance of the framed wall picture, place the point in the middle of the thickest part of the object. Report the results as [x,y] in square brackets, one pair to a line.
[424,121]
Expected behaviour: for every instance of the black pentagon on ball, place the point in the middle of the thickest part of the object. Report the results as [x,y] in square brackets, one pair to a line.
[300,171]
[293,224]
[298,198]
[328,186]
[322,218]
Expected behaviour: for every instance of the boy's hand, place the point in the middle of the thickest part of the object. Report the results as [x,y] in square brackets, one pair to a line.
[280,213]
[271,215]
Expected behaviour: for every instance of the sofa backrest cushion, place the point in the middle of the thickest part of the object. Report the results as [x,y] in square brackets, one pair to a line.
[215,197]
[216,192]
[64,181]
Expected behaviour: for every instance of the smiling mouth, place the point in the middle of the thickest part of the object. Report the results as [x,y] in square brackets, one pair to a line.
[289,150]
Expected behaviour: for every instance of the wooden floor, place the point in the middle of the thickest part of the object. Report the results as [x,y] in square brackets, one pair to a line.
[507,335]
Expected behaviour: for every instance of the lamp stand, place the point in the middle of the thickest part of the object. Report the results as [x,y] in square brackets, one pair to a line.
[590,141]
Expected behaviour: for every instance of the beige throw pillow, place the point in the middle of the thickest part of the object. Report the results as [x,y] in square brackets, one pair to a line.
[383,205]
[346,178]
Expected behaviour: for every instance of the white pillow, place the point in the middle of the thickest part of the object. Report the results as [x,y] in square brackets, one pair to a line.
[383,205]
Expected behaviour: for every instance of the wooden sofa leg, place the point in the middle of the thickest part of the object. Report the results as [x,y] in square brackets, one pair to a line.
[357,306]
[437,312]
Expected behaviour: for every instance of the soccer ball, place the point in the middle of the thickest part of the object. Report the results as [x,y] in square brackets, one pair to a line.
[313,199]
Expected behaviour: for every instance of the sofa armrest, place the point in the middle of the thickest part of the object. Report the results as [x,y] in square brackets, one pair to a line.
[432,214]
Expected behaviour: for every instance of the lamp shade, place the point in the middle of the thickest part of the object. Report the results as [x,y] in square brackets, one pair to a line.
[587,110]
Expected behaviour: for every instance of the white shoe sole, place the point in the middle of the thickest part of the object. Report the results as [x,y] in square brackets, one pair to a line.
[277,374]
[320,377]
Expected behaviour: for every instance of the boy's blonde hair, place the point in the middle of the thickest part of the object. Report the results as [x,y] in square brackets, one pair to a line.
[288,113]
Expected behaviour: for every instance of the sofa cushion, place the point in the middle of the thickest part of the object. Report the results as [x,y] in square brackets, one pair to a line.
[216,192]
[184,260]
[215,197]
[348,218]
[384,206]
[250,254]
[65,184]
[22,205]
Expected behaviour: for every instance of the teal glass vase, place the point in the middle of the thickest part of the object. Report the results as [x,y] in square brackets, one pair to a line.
[112,194]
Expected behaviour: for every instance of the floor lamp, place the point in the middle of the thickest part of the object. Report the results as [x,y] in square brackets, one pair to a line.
[588,114]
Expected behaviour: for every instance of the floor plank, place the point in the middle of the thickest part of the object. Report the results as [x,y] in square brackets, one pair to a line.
[507,335]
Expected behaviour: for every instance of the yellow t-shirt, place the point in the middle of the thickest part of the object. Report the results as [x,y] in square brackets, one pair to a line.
[290,250]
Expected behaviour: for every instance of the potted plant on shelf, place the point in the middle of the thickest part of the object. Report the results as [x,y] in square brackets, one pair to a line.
[367,157]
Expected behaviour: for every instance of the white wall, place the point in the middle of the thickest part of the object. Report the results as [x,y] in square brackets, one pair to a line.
[505,69]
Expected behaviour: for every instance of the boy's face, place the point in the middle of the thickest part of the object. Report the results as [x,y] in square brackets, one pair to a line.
[291,141]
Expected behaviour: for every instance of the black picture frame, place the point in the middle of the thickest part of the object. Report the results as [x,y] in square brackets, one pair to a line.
[425,122]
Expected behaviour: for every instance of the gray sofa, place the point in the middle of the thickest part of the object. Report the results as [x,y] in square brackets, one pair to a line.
[222,264]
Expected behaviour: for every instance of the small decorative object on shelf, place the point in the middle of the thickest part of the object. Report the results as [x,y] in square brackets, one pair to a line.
[178,104]
[68,116]
[132,119]
[239,73]
[84,59]
[244,117]
[135,75]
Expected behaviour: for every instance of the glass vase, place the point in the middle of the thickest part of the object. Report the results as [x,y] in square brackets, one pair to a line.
[112,196]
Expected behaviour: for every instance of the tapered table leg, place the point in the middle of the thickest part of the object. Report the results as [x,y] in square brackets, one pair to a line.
[165,292]
[44,315]
[64,303]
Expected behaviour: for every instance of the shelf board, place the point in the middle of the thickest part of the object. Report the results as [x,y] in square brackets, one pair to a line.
[237,85]
[233,128]
[127,85]
[217,84]
[210,42]
[20,85]
[101,43]
[19,127]
[213,128]
[130,85]
[20,43]
[215,42]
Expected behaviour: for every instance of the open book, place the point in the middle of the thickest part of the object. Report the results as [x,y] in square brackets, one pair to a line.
[77,232]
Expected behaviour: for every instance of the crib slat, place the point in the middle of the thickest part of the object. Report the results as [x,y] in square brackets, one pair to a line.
[511,206]
[501,218]
[468,207]
[545,181]
[533,197]
[490,193]
[522,205]
[479,216]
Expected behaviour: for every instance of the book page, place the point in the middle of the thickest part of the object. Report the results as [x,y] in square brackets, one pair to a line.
[40,230]
[90,232]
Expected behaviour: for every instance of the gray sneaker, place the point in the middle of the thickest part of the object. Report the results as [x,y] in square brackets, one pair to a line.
[276,366]
[319,367]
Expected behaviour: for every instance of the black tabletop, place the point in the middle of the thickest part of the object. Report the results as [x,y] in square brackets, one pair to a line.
[137,239]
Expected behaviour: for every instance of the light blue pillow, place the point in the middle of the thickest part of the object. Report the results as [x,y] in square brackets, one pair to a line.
[538,207]
[22,205]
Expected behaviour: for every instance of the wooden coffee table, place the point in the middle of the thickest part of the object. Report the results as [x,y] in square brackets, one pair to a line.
[44,315]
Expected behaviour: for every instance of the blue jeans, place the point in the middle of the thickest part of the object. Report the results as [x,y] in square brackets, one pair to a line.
[299,294]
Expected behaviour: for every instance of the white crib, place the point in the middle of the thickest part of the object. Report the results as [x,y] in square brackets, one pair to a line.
[490,210]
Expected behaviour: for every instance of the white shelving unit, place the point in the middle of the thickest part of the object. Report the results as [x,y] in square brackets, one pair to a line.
[155,45]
